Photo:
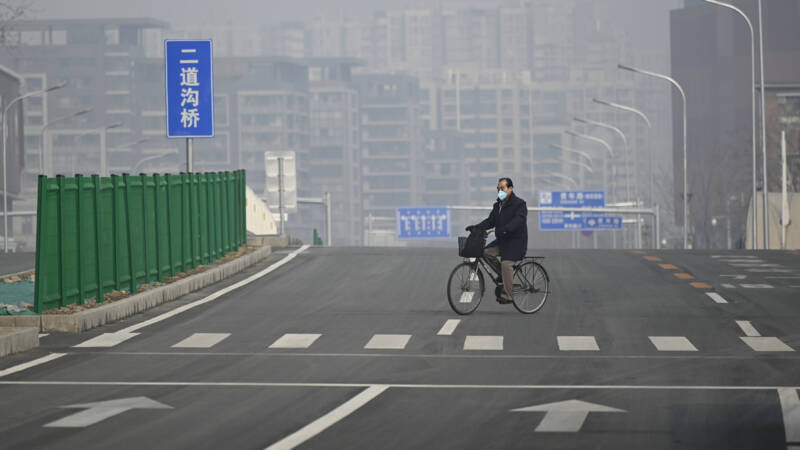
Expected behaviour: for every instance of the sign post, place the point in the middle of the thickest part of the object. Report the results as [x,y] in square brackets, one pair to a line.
[189,91]
[575,220]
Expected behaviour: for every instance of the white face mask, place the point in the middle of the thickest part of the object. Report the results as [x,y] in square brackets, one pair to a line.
[501,195]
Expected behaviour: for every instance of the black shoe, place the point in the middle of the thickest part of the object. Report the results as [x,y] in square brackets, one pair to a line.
[499,280]
[503,301]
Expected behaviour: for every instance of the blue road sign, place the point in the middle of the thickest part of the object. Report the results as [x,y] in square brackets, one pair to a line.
[423,222]
[602,223]
[189,88]
[571,220]
[580,199]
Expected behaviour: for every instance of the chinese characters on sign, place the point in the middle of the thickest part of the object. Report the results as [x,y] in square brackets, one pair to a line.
[190,90]
[575,220]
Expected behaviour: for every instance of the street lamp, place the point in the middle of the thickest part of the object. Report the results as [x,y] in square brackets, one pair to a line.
[604,144]
[574,152]
[624,142]
[5,165]
[560,176]
[44,130]
[649,128]
[685,180]
[753,99]
[151,158]
[103,155]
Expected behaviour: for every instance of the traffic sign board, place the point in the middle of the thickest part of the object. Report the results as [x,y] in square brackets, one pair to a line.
[189,88]
[602,223]
[423,222]
[580,199]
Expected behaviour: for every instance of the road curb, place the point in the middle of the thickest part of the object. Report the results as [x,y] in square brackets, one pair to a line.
[18,339]
[111,312]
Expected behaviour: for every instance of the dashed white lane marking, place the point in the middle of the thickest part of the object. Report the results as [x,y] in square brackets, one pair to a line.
[318,426]
[295,340]
[466,297]
[106,340]
[217,294]
[766,344]
[756,286]
[449,327]
[748,328]
[728,286]
[790,407]
[577,343]
[672,344]
[734,256]
[769,270]
[483,343]
[716,297]
[29,364]
[388,341]
[756,265]
[41,335]
[202,340]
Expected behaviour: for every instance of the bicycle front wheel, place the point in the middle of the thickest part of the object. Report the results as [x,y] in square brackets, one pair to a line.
[465,288]
[531,287]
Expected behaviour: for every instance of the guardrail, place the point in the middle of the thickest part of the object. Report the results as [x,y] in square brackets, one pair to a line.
[95,235]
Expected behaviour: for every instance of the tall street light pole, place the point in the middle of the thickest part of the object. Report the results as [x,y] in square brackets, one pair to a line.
[624,142]
[685,180]
[752,92]
[604,144]
[5,164]
[765,188]
[44,130]
[641,115]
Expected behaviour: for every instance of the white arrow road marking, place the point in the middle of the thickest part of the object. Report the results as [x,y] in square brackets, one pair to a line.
[100,411]
[790,406]
[567,416]
[318,426]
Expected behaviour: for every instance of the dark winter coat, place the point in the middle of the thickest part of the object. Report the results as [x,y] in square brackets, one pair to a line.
[510,225]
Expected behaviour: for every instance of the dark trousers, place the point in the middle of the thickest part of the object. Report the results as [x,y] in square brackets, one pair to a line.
[505,269]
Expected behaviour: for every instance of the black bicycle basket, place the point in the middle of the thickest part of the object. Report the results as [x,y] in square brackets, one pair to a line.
[472,246]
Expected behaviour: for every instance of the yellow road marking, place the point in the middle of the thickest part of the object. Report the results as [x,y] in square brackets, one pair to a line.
[668,266]
[700,285]
[684,276]
[652,258]
[637,252]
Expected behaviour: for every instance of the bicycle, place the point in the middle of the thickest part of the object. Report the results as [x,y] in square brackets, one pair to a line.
[465,287]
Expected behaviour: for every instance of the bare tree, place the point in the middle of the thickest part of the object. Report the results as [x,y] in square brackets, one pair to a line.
[12,11]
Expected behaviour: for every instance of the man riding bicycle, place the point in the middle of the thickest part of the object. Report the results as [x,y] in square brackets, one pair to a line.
[509,218]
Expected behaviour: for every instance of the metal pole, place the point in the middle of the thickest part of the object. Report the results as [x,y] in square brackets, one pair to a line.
[280,194]
[328,221]
[189,167]
[103,157]
[754,231]
[784,195]
[765,186]
[658,227]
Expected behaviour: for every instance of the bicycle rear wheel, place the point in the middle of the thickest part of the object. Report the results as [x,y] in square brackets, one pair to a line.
[465,288]
[531,287]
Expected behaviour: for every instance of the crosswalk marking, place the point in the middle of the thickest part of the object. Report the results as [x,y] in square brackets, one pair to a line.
[449,327]
[577,343]
[295,340]
[716,297]
[466,296]
[728,286]
[202,340]
[388,341]
[483,343]
[747,328]
[757,286]
[766,344]
[672,344]
[106,340]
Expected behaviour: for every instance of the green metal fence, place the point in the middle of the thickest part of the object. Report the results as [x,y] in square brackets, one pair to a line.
[95,235]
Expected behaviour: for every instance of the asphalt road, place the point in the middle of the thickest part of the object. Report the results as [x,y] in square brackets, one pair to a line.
[349,348]
[16,262]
